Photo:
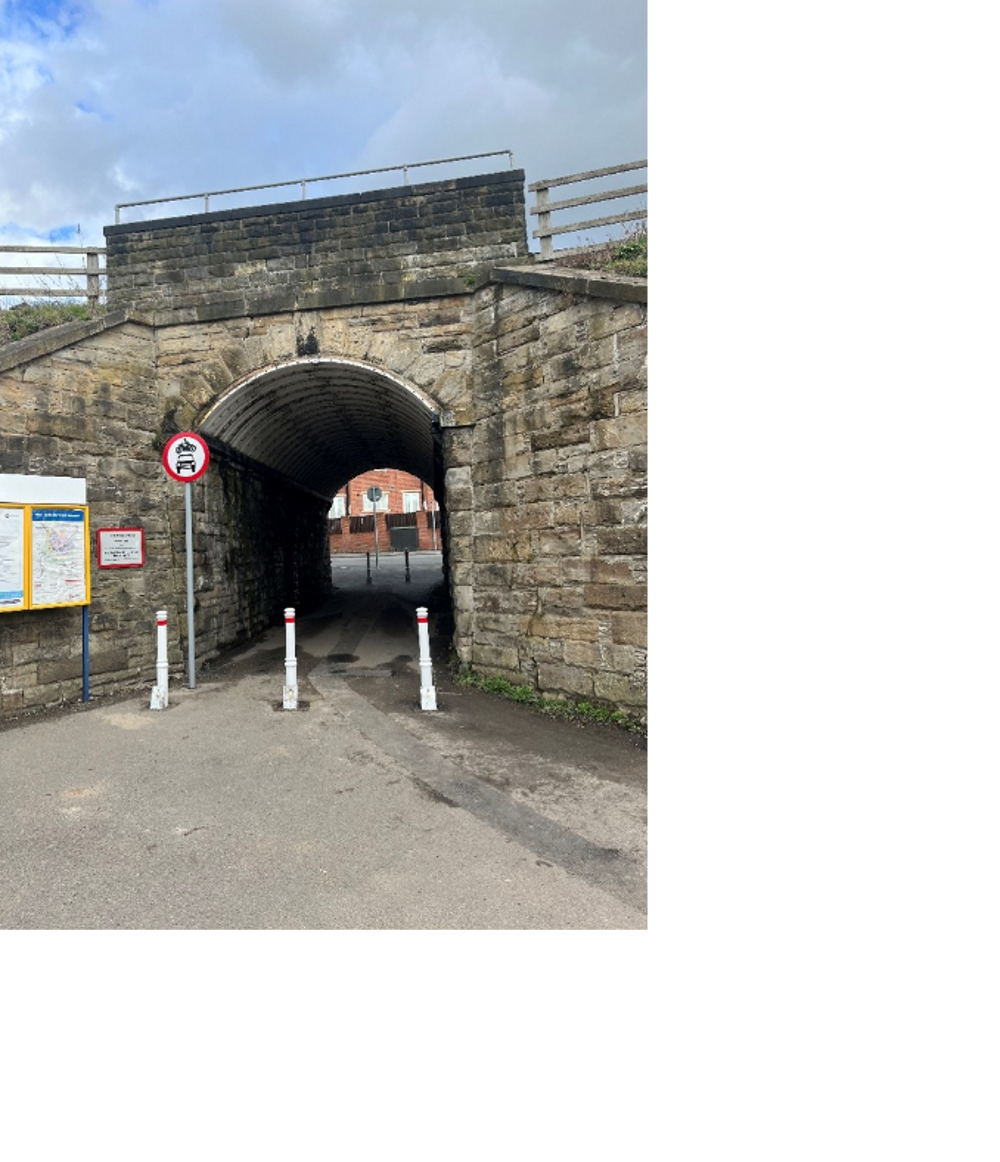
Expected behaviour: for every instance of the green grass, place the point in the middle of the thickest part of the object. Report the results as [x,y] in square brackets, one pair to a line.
[631,257]
[24,319]
[582,712]
[628,255]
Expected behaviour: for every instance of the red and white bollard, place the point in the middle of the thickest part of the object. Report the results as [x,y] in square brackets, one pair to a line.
[159,698]
[428,697]
[290,695]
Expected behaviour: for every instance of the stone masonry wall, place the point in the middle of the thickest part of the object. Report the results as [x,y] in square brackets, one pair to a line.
[87,409]
[385,245]
[540,379]
[546,490]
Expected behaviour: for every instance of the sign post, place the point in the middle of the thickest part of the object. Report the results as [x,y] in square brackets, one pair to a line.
[185,458]
[374,494]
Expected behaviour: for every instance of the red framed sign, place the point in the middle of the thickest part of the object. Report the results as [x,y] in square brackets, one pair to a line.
[121,548]
[185,457]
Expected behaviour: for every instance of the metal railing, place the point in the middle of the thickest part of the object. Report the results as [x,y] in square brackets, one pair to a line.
[304,182]
[544,208]
[92,289]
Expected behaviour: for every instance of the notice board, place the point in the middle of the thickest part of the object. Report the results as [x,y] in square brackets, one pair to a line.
[44,556]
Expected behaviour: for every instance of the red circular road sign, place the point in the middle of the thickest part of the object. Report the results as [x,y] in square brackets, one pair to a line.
[185,456]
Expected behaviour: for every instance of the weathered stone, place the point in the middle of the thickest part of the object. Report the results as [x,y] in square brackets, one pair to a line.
[575,681]
[615,596]
[629,629]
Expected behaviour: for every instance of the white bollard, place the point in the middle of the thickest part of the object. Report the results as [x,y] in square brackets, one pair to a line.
[159,698]
[290,697]
[428,697]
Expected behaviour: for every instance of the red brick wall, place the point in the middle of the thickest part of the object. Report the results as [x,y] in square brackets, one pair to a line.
[393,484]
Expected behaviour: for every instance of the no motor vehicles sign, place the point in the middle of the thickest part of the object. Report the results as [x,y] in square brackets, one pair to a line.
[185,456]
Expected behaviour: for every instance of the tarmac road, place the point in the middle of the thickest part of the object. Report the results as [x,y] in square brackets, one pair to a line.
[357,811]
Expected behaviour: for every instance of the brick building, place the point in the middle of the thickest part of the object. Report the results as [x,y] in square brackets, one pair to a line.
[407,514]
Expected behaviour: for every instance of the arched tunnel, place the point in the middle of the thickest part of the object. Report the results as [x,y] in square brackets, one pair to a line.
[320,422]
[315,424]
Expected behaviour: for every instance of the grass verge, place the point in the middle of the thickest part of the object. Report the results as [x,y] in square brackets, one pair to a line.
[582,712]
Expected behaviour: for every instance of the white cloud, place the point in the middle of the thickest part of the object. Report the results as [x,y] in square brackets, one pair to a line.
[122,99]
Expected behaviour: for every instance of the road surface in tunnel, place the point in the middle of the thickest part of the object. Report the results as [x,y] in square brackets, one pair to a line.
[366,629]
[369,628]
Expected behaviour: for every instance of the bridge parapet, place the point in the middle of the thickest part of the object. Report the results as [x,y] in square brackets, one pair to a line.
[380,246]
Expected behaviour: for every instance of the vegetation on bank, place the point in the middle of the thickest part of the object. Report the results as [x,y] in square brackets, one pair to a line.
[582,712]
[24,319]
[628,255]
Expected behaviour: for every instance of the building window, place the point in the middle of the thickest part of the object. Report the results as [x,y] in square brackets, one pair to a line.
[411,502]
[337,508]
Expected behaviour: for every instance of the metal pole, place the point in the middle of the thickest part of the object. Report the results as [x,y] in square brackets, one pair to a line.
[406,558]
[188,540]
[86,653]
[290,695]
[375,514]
[428,696]
[368,563]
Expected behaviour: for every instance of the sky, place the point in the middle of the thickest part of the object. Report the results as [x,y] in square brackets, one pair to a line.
[104,102]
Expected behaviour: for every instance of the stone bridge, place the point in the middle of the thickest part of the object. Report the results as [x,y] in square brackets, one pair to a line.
[308,342]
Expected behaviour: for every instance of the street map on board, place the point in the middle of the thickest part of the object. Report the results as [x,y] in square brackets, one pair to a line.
[58,557]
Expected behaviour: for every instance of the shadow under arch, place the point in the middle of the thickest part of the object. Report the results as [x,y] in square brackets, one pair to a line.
[319,422]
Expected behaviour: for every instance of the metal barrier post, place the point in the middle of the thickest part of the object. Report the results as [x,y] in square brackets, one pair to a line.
[159,698]
[406,557]
[368,560]
[428,696]
[290,695]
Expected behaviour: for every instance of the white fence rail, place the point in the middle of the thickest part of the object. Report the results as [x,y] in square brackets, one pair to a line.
[84,282]
[544,208]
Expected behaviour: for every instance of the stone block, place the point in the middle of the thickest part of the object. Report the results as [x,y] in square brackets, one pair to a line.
[107,660]
[11,700]
[583,655]
[556,543]
[554,625]
[622,541]
[615,596]
[59,670]
[620,691]
[629,629]
[491,657]
[500,548]
[564,679]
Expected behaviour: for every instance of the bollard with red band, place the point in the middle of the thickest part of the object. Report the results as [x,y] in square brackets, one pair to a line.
[290,696]
[159,698]
[428,696]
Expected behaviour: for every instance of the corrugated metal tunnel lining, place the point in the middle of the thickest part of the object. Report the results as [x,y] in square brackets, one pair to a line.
[320,423]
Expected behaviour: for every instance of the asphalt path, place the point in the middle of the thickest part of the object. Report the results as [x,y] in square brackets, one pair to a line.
[358,810]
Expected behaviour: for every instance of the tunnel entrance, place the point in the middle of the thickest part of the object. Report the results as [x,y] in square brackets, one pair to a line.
[321,422]
[312,426]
